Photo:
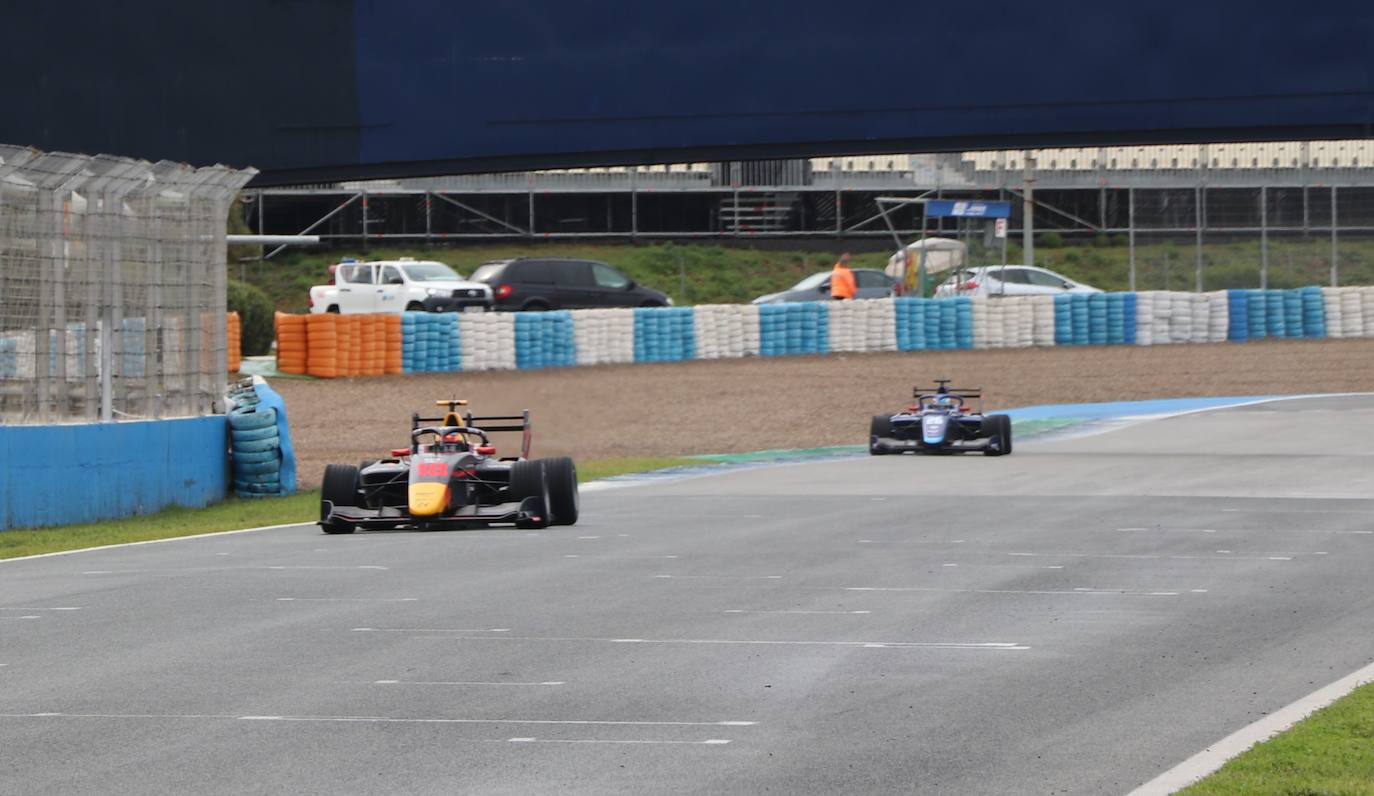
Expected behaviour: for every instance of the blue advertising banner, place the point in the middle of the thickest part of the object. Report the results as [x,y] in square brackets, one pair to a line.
[950,208]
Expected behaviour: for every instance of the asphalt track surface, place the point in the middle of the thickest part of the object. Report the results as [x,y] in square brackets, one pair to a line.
[1074,618]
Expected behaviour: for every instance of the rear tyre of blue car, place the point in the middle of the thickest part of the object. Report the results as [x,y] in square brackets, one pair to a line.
[880,428]
[998,427]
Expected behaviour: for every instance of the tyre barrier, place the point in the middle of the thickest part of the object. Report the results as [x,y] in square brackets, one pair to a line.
[263,460]
[417,342]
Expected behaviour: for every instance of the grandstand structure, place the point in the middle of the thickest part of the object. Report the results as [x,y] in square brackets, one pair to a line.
[1296,187]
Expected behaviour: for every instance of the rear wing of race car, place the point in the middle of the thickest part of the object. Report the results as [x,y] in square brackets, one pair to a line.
[489,424]
[976,393]
[503,423]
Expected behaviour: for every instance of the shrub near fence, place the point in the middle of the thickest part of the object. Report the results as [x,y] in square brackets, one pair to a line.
[343,345]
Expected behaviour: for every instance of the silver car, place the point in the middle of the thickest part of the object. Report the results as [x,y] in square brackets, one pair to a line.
[869,284]
[1009,280]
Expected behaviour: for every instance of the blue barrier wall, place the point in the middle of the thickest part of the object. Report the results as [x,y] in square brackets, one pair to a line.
[55,475]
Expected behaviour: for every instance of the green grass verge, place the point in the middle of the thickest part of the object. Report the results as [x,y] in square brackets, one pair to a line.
[1330,753]
[723,273]
[237,513]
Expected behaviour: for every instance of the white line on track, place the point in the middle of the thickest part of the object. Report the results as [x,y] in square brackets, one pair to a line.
[16,618]
[376,719]
[1122,592]
[1243,530]
[463,682]
[997,646]
[347,599]
[430,630]
[360,566]
[751,611]
[1216,755]
[1159,556]
[911,541]
[615,557]
[719,577]
[227,569]
[1018,566]
[159,541]
[62,608]
[707,742]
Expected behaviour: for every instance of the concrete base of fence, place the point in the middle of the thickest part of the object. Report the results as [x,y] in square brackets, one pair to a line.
[61,474]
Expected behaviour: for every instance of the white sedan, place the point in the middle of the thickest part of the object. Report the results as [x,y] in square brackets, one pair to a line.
[1009,280]
[403,285]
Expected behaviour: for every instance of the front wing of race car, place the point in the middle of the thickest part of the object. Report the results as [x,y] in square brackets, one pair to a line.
[528,513]
[899,445]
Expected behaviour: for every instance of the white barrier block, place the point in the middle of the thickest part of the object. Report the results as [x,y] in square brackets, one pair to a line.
[1352,312]
[1218,316]
[1335,326]
[978,306]
[1042,320]
[487,340]
[1145,317]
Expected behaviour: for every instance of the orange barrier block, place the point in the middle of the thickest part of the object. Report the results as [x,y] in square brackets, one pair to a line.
[233,340]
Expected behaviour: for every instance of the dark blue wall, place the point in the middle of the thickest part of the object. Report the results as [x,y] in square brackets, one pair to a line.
[54,475]
[316,88]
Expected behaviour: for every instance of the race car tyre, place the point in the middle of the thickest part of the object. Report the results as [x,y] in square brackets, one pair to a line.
[561,477]
[998,426]
[339,486]
[881,426]
[526,480]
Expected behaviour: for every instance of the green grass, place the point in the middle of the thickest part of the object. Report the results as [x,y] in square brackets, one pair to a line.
[236,513]
[166,524]
[1330,753]
[717,273]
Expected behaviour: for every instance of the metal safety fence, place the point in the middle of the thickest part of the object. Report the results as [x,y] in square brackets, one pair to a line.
[112,286]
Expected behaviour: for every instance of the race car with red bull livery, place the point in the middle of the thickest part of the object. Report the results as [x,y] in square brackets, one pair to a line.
[450,477]
[941,421]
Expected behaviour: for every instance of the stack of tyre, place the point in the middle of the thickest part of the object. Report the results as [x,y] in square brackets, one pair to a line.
[255,445]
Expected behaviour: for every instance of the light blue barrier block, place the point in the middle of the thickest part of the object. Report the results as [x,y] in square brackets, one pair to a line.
[794,328]
[1238,310]
[120,469]
[664,334]
[1313,312]
[544,340]
[910,314]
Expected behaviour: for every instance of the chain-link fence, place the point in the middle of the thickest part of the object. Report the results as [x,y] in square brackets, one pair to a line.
[112,286]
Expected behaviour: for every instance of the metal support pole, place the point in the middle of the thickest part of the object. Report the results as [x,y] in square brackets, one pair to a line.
[1199,198]
[634,204]
[531,207]
[1264,238]
[839,213]
[429,218]
[1335,257]
[1028,212]
[365,221]
[1006,233]
[1130,236]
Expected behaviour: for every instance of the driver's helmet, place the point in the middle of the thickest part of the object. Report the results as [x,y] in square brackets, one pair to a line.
[947,400]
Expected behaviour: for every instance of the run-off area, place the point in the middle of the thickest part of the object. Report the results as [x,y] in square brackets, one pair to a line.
[1078,617]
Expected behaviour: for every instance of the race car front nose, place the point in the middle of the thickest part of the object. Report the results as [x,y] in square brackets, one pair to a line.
[427,500]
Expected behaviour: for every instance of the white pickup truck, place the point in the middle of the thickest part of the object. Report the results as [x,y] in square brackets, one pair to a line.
[404,285]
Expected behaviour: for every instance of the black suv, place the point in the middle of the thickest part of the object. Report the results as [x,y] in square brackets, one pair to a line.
[554,284]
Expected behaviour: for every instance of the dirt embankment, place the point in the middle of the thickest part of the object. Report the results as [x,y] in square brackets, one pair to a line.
[725,406]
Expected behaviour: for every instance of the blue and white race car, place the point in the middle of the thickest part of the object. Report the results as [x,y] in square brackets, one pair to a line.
[941,421]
